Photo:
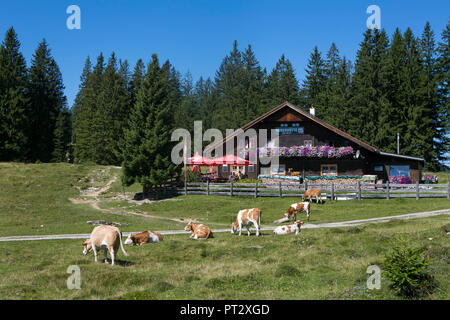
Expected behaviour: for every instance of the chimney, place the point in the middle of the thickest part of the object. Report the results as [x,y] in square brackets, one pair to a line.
[312,111]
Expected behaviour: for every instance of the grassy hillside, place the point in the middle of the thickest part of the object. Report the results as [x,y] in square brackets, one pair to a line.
[317,264]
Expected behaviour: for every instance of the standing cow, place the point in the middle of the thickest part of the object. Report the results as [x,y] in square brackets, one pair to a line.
[106,238]
[312,193]
[297,208]
[247,217]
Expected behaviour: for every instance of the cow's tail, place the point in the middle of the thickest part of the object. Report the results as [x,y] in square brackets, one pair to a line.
[121,244]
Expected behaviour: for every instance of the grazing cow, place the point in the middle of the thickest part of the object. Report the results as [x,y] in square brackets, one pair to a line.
[143,237]
[247,217]
[312,193]
[292,228]
[198,231]
[296,208]
[106,238]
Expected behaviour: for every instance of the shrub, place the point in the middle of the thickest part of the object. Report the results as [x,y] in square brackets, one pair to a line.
[406,268]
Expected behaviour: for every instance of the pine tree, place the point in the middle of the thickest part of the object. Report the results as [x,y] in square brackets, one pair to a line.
[62,136]
[88,128]
[46,91]
[14,104]
[442,130]
[314,84]
[148,147]
[281,85]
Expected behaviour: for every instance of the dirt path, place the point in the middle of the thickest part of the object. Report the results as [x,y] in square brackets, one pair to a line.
[351,223]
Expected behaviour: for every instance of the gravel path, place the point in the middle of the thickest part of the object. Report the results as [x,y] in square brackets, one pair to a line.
[341,224]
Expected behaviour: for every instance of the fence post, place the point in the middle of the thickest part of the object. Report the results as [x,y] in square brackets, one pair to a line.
[448,190]
[207,187]
[387,190]
[279,186]
[332,191]
[256,189]
[231,188]
[359,190]
[185,187]
[417,190]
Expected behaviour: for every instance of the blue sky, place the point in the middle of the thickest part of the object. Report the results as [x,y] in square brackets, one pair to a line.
[195,35]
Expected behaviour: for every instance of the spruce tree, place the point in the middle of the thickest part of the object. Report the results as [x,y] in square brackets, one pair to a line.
[14,101]
[147,154]
[281,85]
[46,92]
[314,83]
[442,130]
[62,136]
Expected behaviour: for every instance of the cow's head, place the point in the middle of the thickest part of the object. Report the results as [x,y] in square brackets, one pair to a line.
[87,246]
[131,239]
[234,227]
[189,226]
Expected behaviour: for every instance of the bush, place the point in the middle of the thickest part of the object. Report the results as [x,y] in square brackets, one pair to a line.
[406,268]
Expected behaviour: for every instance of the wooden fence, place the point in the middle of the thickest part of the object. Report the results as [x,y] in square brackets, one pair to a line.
[329,191]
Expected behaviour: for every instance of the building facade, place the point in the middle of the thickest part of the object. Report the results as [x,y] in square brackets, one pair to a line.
[309,147]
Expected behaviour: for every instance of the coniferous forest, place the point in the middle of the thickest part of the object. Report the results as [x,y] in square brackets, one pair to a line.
[124,115]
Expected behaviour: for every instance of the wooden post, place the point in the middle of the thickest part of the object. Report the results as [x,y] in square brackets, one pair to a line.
[207,187]
[332,191]
[231,188]
[387,190]
[448,190]
[359,190]
[306,185]
[279,186]
[417,190]
[185,187]
[256,189]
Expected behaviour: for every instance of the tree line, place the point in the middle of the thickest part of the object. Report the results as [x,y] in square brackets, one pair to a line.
[397,84]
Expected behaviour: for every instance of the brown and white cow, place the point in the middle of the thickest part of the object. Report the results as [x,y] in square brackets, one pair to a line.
[106,238]
[292,228]
[247,217]
[198,231]
[297,208]
[143,237]
[312,193]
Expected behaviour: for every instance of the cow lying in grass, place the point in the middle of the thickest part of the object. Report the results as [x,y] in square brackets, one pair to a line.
[297,208]
[143,237]
[312,193]
[247,217]
[292,228]
[106,238]
[198,231]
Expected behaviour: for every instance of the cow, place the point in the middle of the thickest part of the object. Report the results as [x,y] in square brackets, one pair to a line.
[247,217]
[296,208]
[143,237]
[106,238]
[198,231]
[292,228]
[312,193]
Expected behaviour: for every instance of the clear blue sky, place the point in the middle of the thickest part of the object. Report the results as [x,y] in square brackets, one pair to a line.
[195,35]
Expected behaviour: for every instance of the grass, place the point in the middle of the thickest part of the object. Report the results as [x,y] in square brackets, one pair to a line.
[317,264]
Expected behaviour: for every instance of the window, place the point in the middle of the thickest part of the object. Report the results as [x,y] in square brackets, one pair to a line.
[399,170]
[278,170]
[224,168]
[296,125]
[307,143]
[378,168]
[283,125]
[328,170]
[251,168]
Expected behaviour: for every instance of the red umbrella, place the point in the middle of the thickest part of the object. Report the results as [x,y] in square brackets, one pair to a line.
[198,160]
[231,159]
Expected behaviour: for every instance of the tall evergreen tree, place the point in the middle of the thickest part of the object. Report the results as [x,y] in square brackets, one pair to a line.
[442,132]
[148,147]
[14,104]
[315,81]
[62,136]
[46,91]
[281,85]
